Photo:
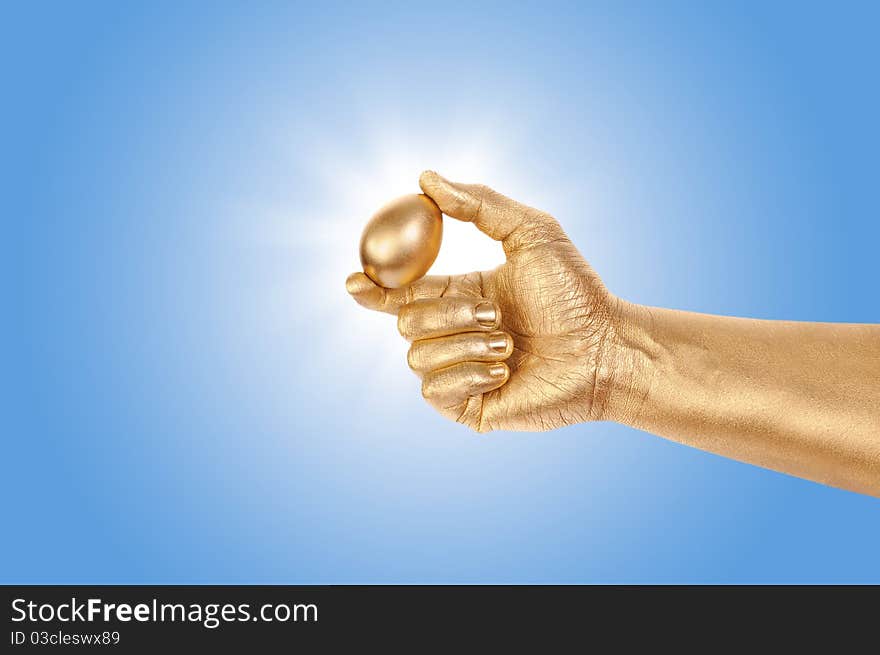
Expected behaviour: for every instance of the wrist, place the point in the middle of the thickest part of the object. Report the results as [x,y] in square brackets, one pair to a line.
[627,367]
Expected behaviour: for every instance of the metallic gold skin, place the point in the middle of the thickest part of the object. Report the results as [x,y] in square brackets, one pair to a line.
[427,354]
[401,241]
[801,398]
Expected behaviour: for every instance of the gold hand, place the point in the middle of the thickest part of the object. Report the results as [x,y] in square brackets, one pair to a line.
[539,343]
[522,347]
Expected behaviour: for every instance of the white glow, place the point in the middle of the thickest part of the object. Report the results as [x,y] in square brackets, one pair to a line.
[301,253]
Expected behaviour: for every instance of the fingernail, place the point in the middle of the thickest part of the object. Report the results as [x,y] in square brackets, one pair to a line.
[498,370]
[498,342]
[485,314]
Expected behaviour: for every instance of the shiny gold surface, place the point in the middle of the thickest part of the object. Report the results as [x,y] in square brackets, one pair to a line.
[401,241]
[539,343]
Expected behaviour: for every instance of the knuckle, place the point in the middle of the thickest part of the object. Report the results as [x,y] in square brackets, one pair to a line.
[449,315]
[414,357]
[542,225]
[428,389]
[480,193]
[403,320]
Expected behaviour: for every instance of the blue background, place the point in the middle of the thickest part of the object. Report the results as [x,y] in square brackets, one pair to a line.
[189,395]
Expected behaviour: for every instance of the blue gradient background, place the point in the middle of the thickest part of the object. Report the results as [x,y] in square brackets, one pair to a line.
[190,397]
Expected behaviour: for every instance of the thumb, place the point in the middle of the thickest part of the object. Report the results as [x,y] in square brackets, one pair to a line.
[519,227]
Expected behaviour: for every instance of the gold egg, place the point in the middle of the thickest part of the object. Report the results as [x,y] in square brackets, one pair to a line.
[402,240]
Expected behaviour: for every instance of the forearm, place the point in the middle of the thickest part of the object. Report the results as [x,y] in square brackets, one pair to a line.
[801,398]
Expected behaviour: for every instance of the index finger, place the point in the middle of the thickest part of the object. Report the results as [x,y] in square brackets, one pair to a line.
[370,295]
